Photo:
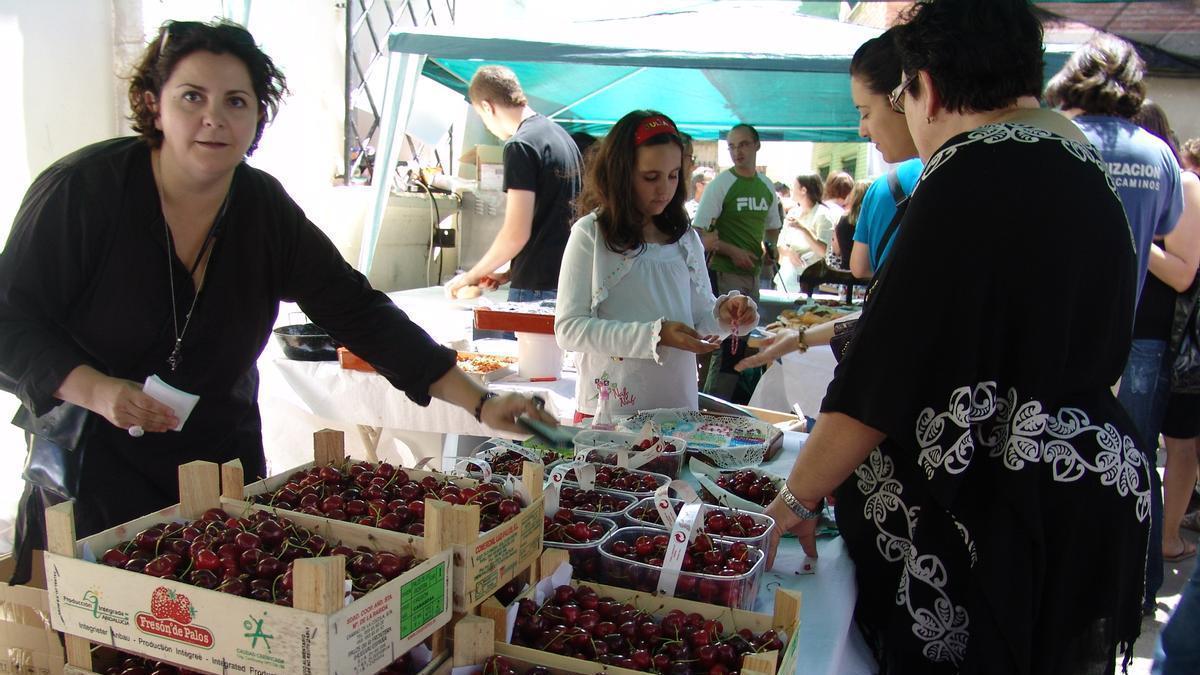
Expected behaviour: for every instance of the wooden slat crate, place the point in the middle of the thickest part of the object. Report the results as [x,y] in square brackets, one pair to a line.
[28,643]
[223,633]
[483,562]
[786,618]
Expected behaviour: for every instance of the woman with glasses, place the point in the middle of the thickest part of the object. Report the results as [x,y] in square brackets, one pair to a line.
[165,255]
[990,488]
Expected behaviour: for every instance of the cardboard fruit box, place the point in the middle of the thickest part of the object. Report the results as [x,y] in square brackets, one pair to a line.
[786,619]
[28,643]
[104,658]
[483,561]
[210,631]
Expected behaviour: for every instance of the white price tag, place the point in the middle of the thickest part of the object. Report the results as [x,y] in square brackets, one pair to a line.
[585,475]
[483,466]
[652,432]
[681,535]
[514,486]
[663,504]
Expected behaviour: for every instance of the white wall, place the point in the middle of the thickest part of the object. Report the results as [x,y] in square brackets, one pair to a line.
[58,84]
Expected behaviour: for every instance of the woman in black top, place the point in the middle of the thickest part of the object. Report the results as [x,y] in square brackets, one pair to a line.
[843,232]
[992,494]
[167,255]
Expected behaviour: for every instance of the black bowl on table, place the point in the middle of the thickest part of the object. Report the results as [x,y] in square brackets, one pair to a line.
[306,342]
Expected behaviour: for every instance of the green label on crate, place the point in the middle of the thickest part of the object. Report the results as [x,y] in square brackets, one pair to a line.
[422,600]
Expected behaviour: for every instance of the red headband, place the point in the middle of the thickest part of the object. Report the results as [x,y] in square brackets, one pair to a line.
[653,126]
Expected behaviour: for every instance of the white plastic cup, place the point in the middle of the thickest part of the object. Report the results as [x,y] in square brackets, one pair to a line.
[538,355]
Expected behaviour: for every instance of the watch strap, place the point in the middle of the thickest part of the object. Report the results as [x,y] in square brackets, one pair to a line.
[801,511]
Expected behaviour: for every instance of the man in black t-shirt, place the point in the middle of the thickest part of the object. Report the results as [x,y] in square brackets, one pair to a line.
[542,175]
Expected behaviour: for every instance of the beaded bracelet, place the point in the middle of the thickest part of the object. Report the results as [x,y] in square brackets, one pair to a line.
[483,399]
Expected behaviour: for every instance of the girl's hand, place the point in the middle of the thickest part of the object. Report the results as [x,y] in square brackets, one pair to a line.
[783,342]
[125,405]
[739,310]
[682,336]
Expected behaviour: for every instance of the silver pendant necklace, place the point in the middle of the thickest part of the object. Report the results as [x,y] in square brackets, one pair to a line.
[176,356]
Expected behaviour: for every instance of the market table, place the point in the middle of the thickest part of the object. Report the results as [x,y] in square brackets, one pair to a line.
[370,402]
[829,641]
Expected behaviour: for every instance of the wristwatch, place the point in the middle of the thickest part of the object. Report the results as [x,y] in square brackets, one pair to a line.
[483,399]
[797,508]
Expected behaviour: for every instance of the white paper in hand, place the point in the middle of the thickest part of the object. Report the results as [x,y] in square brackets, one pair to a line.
[179,401]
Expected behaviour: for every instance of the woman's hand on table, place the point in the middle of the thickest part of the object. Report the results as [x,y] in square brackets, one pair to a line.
[682,336]
[501,412]
[739,310]
[786,521]
[776,346]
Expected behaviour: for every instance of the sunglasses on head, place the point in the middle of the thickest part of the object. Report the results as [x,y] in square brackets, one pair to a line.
[180,29]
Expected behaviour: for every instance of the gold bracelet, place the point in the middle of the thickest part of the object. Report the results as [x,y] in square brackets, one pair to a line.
[801,346]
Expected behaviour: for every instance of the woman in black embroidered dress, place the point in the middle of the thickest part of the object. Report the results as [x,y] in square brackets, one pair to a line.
[994,501]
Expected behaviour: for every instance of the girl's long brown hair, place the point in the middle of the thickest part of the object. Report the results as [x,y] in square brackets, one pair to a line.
[608,188]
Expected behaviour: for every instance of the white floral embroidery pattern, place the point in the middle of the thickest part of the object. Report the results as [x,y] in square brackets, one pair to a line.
[942,627]
[1022,133]
[1024,433]
[1020,435]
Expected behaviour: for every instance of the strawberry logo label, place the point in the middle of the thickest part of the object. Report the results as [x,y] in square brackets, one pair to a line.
[171,616]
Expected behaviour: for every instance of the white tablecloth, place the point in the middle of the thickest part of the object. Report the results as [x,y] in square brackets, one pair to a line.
[829,641]
[326,390]
[797,378]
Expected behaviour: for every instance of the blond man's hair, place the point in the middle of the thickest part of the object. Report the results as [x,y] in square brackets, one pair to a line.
[497,85]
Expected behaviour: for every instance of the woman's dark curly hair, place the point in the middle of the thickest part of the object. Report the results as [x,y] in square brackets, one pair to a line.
[178,39]
[608,188]
[981,54]
[1103,77]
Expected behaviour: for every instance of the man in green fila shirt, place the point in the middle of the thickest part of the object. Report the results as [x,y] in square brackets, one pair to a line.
[736,212]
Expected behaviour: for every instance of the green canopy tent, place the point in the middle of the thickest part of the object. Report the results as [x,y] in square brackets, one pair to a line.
[708,68]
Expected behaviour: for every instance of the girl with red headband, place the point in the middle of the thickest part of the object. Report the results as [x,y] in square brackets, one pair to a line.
[633,293]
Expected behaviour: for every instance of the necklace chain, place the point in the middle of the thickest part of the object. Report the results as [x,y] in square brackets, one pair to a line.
[176,356]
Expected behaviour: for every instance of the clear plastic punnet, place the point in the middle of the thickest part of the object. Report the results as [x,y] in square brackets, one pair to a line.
[714,571]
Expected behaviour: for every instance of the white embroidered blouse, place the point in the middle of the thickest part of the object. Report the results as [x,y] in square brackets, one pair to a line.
[610,310]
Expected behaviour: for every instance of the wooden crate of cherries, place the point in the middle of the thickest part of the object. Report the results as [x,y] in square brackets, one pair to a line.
[493,533]
[208,587]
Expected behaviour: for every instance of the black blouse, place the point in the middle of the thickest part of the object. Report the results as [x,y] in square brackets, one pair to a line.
[83,280]
[1002,524]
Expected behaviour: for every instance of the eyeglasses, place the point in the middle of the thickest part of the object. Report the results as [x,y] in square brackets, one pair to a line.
[896,98]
